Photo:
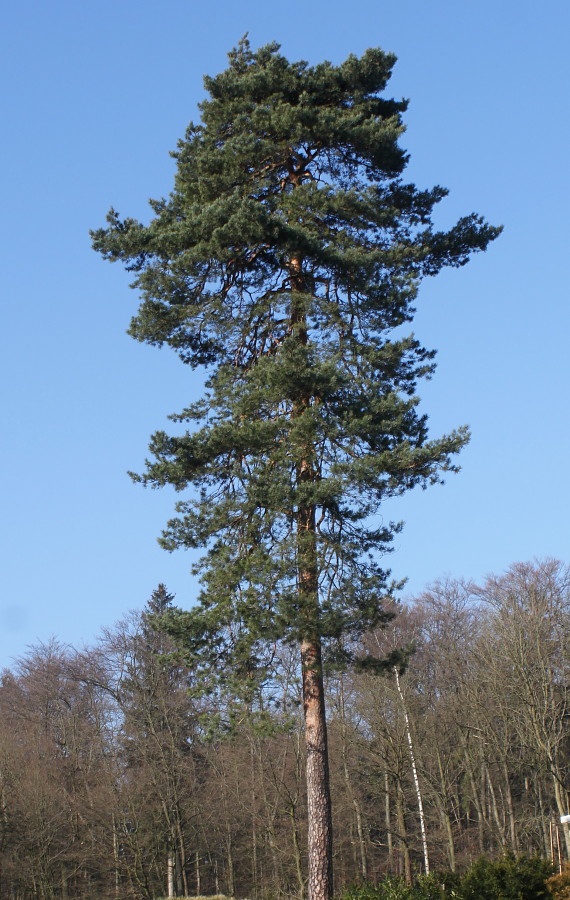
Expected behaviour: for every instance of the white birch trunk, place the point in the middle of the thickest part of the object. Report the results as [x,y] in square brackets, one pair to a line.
[414,772]
[170,875]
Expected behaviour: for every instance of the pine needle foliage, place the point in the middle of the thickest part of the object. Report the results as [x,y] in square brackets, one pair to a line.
[285,261]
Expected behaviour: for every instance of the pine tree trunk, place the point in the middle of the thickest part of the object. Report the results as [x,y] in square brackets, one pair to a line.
[320,883]
[317,766]
[318,789]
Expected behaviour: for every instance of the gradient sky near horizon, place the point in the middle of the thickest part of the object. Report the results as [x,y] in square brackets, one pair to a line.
[95,96]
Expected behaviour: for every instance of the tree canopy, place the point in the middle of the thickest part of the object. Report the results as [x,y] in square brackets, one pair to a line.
[287,255]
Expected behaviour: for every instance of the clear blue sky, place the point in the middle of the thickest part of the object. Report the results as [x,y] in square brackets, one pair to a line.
[94,97]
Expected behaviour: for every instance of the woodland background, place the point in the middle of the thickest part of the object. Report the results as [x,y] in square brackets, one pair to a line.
[113,761]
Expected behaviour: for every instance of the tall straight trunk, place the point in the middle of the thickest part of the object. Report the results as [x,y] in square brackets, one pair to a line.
[319,816]
[318,787]
[317,766]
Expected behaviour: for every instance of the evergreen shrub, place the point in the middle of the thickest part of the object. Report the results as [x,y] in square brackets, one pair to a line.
[508,878]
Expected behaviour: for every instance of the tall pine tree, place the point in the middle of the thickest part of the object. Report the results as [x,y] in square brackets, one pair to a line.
[285,262]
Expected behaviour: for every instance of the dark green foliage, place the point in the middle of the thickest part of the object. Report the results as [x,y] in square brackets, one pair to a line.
[285,261]
[508,878]
[436,886]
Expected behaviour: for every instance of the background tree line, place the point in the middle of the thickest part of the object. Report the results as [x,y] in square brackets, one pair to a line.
[121,776]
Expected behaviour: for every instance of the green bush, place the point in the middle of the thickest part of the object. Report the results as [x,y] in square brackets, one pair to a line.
[390,888]
[508,878]
[436,886]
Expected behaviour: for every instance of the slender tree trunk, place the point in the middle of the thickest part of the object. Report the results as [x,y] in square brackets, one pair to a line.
[198,880]
[116,857]
[170,874]
[230,862]
[403,834]
[510,809]
[181,856]
[179,872]
[361,840]
[562,804]
[543,815]
[414,773]
[477,804]
[443,802]
[388,821]
[493,807]
[450,842]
